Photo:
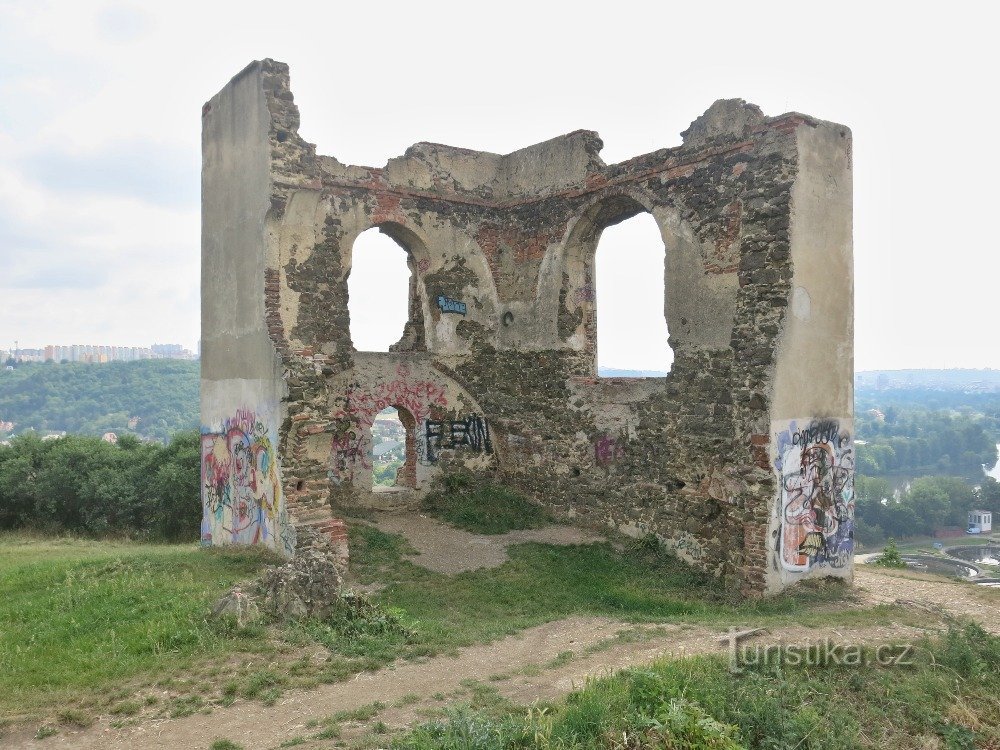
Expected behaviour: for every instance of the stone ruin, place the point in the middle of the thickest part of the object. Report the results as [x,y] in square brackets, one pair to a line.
[740,460]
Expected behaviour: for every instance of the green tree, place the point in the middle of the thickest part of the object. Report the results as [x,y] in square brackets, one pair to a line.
[988,496]
[930,504]
[890,557]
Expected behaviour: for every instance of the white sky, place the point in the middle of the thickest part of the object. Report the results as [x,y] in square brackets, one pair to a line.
[100,108]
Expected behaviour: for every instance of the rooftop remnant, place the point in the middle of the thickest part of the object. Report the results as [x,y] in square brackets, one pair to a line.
[740,459]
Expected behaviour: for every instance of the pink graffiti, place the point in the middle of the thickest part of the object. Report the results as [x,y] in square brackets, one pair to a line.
[416,396]
[585,294]
[607,450]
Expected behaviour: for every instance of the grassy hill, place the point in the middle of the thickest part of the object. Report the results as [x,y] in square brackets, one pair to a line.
[93,399]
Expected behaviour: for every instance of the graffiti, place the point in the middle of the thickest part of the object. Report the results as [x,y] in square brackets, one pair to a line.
[241,491]
[347,453]
[584,293]
[449,305]
[815,463]
[607,450]
[687,547]
[416,396]
[472,433]
[423,265]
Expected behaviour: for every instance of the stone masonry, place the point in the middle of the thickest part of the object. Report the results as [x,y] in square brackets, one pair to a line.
[740,459]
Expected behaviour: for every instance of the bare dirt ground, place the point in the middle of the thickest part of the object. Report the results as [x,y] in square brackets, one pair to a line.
[445,549]
[933,593]
[538,664]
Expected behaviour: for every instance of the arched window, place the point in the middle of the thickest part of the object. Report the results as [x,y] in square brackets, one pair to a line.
[631,317]
[394,449]
[378,291]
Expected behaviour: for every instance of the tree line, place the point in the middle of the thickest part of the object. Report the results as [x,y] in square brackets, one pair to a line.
[913,439]
[152,399]
[926,505]
[87,486]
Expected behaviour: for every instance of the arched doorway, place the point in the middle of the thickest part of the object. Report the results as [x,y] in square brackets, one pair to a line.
[394,450]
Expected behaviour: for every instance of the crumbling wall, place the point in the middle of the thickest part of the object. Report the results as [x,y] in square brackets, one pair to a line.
[740,459]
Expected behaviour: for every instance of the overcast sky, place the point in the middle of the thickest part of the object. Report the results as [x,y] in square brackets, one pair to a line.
[100,108]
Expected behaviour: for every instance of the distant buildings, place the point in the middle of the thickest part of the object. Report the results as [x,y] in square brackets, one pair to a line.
[96,354]
[980,522]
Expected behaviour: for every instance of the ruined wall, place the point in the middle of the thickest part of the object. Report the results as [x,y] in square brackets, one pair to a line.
[241,385]
[739,459]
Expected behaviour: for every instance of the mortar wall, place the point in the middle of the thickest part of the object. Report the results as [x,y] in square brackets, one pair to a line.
[497,364]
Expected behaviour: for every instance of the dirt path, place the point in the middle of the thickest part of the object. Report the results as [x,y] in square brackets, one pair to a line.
[963,600]
[541,663]
[445,549]
[544,662]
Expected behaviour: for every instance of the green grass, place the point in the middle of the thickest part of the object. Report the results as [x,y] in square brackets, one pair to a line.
[541,583]
[80,616]
[84,616]
[483,508]
[947,699]
[926,543]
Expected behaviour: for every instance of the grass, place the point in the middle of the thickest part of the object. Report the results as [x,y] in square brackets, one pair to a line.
[80,616]
[75,718]
[483,507]
[947,699]
[119,627]
[45,730]
[541,583]
[926,543]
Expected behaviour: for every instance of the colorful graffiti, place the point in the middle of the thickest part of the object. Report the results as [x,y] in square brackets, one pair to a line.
[472,433]
[815,463]
[241,489]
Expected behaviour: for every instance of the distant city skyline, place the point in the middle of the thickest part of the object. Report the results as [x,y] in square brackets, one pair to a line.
[95,353]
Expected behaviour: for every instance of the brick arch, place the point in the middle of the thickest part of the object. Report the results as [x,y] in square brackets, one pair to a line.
[567,289]
[699,300]
[436,405]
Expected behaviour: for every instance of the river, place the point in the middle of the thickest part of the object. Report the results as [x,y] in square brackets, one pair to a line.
[995,471]
[900,481]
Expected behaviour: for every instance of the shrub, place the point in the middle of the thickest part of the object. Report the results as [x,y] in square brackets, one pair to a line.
[890,557]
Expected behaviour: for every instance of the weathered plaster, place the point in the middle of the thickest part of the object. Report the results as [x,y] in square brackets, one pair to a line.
[495,371]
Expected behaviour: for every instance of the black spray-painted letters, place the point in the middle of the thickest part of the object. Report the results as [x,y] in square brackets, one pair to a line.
[472,433]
